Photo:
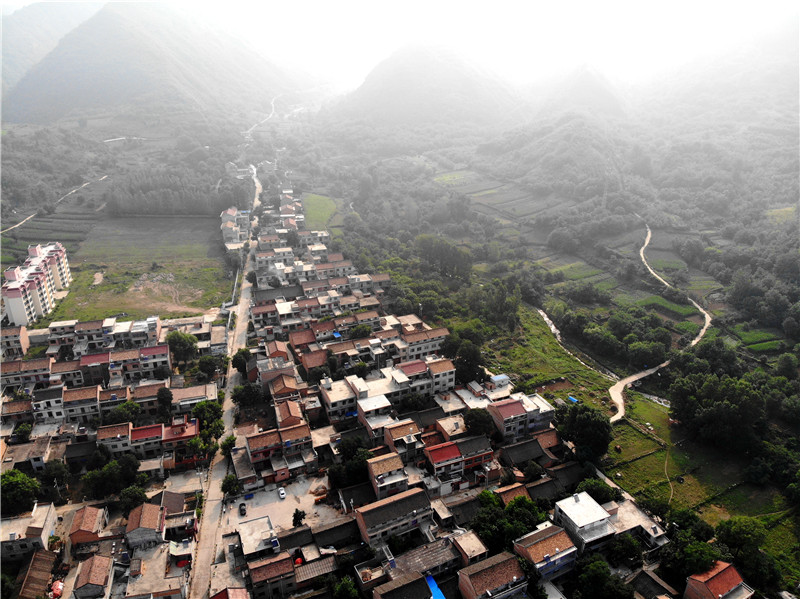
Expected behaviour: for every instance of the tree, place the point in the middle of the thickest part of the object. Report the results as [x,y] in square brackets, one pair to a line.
[23,432]
[130,497]
[240,360]
[741,534]
[128,468]
[182,345]
[18,491]
[360,331]
[298,517]
[479,422]
[227,445]
[786,366]
[468,362]
[345,589]
[599,490]
[164,397]
[127,412]
[247,395]
[55,470]
[231,485]
[587,427]
[208,366]
[625,550]
[252,278]
[207,412]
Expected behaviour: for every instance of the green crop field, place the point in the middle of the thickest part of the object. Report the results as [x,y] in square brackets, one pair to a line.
[753,336]
[659,303]
[765,347]
[577,271]
[781,215]
[318,210]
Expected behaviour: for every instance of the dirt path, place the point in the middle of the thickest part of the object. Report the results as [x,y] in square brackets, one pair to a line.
[98,278]
[617,391]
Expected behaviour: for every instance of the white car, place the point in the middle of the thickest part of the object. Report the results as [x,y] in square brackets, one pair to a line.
[281,493]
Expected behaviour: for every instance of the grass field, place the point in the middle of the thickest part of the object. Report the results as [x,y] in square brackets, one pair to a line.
[632,442]
[534,354]
[578,270]
[188,278]
[318,210]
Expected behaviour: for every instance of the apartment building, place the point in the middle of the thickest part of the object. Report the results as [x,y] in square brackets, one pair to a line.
[29,290]
[14,342]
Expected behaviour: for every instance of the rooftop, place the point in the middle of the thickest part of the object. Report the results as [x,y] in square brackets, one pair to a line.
[94,570]
[546,540]
[493,572]
[146,515]
[406,502]
[385,463]
[582,510]
[152,579]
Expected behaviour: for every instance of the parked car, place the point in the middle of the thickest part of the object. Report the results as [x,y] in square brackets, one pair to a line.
[242,509]
[281,492]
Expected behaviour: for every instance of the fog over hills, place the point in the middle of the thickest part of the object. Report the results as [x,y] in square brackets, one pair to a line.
[425,84]
[30,33]
[137,55]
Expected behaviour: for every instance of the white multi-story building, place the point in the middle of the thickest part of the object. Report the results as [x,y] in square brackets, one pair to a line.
[29,290]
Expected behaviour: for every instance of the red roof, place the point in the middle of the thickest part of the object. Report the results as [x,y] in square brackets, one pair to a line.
[101,358]
[413,367]
[174,432]
[155,350]
[720,579]
[314,359]
[147,432]
[443,452]
[507,408]
[304,337]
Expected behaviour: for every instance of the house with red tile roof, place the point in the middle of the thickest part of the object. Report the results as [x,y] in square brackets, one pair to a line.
[81,404]
[272,576]
[262,446]
[94,577]
[446,460]
[387,475]
[87,524]
[549,549]
[145,525]
[146,441]
[722,581]
[498,576]
[511,492]
[116,437]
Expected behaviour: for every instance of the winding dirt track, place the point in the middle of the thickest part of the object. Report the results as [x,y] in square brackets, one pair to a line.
[617,391]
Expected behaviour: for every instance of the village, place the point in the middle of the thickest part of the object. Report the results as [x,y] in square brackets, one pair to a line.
[333,470]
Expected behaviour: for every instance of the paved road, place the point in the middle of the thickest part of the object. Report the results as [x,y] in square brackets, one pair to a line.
[617,391]
[209,545]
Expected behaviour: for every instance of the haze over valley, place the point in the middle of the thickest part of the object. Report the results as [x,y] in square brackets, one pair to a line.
[431,210]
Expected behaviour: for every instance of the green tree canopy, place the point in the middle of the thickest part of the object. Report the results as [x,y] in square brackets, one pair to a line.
[345,588]
[18,491]
[182,345]
[127,412]
[240,360]
[599,490]
[207,365]
[741,534]
[227,445]
[231,485]
[130,497]
[479,422]
[587,427]
[298,517]
[247,395]
[360,331]
[23,432]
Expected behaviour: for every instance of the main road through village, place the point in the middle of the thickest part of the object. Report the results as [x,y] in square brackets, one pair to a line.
[209,541]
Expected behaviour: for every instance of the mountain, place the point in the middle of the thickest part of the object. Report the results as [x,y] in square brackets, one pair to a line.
[31,32]
[584,90]
[423,85]
[143,58]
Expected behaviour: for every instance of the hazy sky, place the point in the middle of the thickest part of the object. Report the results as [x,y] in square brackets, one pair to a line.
[626,40]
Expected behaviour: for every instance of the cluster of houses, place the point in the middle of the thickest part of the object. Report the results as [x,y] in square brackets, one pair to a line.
[29,291]
[424,478]
[87,370]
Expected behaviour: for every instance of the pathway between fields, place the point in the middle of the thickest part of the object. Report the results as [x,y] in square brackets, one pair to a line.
[58,201]
[617,391]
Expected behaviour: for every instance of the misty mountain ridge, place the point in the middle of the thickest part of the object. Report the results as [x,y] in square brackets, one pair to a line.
[134,57]
[427,84]
[584,90]
[31,32]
